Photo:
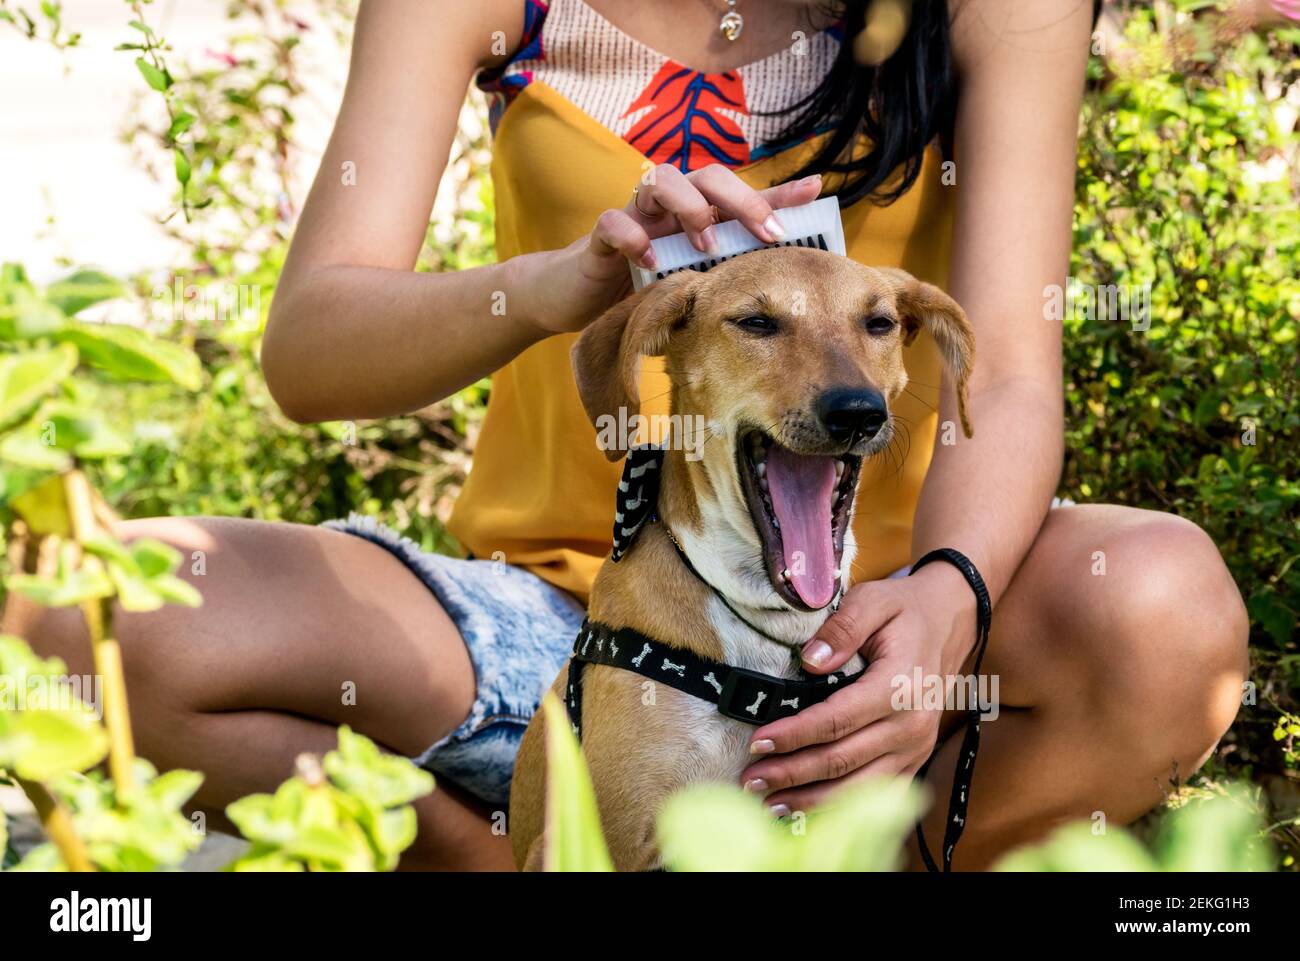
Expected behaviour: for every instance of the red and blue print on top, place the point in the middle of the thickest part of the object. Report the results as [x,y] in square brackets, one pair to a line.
[671,113]
[685,125]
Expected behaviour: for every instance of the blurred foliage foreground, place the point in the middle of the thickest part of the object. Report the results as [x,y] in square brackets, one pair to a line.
[1182,395]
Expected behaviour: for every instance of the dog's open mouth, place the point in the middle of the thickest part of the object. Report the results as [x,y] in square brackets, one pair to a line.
[800,504]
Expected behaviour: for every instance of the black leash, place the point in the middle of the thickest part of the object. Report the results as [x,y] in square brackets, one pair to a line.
[739,693]
[970,742]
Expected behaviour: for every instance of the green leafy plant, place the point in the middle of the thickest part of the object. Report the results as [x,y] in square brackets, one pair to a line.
[350,812]
[862,827]
[1223,832]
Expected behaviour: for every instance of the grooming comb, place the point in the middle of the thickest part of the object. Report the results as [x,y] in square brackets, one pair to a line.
[814,225]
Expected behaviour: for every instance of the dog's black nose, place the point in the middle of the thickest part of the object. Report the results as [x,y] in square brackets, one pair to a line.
[851,414]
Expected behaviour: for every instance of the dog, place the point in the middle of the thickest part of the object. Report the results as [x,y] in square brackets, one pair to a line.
[791,357]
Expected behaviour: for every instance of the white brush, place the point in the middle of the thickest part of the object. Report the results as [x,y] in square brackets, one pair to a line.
[813,225]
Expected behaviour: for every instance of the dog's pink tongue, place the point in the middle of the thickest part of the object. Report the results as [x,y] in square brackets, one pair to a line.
[801,489]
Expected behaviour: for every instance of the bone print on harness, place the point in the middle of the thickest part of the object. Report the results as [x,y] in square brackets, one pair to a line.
[740,694]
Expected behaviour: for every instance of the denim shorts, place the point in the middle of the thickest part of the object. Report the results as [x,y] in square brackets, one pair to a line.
[519,631]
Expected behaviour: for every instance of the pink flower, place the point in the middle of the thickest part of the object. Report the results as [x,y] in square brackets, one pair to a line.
[227,58]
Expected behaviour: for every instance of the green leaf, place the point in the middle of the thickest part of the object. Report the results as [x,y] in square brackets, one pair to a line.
[154,557]
[182,122]
[45,508]
[71,589]
[1076,848]
[361,769]
[154,77]
[173,590]
[26,378]
[32,317]
[861,827]
[173,789]
[82,289]
[40,744]
[128,353]
[716,827]
[182,167]
[1215,834]
[59,426]
[26,447]
[573,836]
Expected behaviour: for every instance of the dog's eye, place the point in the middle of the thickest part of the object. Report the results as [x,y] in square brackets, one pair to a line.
[879,325]
[757,324]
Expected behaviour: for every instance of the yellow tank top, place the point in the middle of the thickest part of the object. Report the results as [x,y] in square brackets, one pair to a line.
[540,493]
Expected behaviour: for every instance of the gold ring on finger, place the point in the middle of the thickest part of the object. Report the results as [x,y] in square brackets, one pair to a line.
[636,192]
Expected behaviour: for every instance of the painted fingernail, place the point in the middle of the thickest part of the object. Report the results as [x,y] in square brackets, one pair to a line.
[773,227]
[648,259]
[756,785]
[817,653]
[762,746]
[710,238]
[779,810]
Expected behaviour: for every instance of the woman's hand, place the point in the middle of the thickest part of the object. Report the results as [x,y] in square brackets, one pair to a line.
[898,625]
[563,290]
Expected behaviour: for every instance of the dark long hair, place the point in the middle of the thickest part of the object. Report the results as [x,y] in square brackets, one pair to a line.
[902,106]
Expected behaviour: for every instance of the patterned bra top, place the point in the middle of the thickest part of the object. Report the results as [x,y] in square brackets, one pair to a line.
[668,111]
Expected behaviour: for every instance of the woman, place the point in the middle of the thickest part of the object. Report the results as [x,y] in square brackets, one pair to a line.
[1110,684]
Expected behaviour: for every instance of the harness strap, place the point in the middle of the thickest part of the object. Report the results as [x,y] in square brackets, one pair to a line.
[970,742]
[739,693]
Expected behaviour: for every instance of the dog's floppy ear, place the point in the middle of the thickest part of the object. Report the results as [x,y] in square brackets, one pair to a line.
[606,357]
[925,305]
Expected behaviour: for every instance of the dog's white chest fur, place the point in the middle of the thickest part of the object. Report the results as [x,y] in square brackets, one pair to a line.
[717,747]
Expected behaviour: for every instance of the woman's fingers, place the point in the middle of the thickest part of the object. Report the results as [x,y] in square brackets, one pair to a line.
[737,200]
[806,797]
[866,608]
[616,232]
[861,703]
[690,199]
[819,762]
[670,192]
[794,193]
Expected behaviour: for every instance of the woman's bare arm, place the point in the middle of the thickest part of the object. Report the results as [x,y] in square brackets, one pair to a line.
[353,331]
[1021,67]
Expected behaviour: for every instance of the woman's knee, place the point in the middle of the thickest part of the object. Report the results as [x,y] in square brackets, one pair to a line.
[1168,664]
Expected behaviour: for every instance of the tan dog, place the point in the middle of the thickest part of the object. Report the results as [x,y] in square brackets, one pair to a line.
[792,356]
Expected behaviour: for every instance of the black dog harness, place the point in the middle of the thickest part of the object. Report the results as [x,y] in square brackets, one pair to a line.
[739,693]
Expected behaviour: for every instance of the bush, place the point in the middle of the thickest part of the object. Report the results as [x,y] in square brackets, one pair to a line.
[1188,187]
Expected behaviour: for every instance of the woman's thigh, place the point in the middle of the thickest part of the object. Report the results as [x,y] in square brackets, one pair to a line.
[295,619]
[1116,607]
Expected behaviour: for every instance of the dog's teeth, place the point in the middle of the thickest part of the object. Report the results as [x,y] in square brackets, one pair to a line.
[839,469]
[761,470]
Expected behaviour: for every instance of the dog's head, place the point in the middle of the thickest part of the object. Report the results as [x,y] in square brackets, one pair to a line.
[792,358]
